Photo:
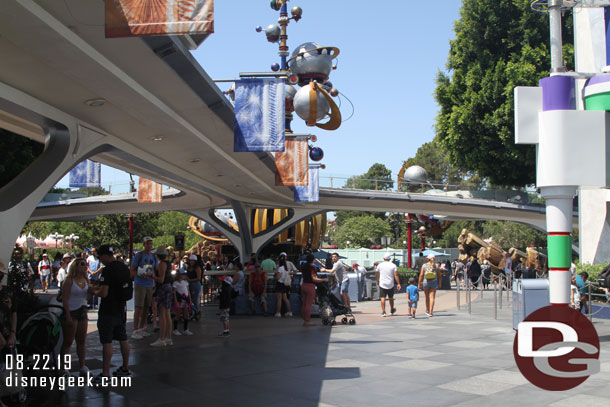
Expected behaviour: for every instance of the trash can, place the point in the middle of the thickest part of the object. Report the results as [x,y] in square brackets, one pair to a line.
[528,296]
[355,289]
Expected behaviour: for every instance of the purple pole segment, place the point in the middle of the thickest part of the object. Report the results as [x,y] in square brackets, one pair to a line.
[558,93]
[607,22]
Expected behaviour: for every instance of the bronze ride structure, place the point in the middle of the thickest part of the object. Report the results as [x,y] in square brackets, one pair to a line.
[306,235]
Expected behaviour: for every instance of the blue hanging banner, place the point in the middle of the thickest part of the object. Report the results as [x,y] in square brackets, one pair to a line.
[311,192]
[259,115]
[87,173]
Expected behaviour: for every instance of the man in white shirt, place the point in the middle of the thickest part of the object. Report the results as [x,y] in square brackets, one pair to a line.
[386,274]
[342,278]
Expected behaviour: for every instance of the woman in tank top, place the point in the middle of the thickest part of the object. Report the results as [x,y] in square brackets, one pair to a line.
[74,292]
[428,280]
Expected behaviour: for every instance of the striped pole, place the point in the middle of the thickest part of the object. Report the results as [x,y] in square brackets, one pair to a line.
[559,241]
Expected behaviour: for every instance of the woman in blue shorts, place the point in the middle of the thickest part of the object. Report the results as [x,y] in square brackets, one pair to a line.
[428,281]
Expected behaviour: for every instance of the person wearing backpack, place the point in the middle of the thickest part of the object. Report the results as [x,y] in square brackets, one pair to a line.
[115,288]
[257,288]
[428,281]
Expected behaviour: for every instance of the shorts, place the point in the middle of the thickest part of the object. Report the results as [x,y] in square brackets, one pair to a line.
[281,288]
[386,292]
[412,303]
[262,298]
[111,327]
[142,296]
[224,316]
[430,284]
[344,286]
[45,276]
[165,296]
[79,314]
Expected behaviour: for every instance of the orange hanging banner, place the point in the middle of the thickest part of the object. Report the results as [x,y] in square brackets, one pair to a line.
[129,18]
[291,166]
[149,191]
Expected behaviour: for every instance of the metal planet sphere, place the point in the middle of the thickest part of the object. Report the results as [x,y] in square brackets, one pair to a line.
[316,153]
[311,60]
[258,28]
[334,92]
[273,32]
[275,67]
[302,105]
[296,12]
[415,173]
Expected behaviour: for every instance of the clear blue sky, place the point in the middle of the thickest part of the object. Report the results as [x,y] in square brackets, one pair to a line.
[390,54]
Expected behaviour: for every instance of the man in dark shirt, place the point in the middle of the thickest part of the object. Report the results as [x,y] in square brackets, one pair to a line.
[112,315]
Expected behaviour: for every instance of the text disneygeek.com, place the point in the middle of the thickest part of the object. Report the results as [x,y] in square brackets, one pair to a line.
[63,382]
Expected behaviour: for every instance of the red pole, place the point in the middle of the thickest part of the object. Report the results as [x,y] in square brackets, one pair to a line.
[130,236]
[409,241]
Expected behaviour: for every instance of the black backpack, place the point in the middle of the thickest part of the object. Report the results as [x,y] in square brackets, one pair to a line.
[603,279]
[126,292]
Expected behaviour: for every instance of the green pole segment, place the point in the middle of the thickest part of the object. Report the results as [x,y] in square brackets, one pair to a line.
[560,250]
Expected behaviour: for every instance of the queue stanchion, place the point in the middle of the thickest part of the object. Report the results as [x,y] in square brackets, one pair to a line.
[496,299]
[500,289]
[457,291]
[589,307]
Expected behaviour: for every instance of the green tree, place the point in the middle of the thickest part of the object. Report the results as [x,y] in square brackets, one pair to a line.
[361,231]
[498,45]
[512,234]
[171,222]
[378,177]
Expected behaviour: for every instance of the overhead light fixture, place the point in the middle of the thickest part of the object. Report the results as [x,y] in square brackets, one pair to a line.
[95,102]
[157,138]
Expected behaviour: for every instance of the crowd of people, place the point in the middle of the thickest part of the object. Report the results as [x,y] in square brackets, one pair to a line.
[163,283]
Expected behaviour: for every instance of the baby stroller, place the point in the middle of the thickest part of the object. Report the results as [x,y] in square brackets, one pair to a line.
[331,306]
[39,341]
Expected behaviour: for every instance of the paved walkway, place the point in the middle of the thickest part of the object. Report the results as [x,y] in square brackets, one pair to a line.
[452,359]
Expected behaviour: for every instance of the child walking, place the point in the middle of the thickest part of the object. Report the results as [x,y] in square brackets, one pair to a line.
[412,297]
[182,303]
[225,305]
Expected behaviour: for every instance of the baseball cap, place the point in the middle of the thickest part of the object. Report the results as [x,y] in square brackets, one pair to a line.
[283,254]
[44,255]
[161,250]
[147,239]
[387,256]
[193,257]
[105,250]
[355,265]
[66,256]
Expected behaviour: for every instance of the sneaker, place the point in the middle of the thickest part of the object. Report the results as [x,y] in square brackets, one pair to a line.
[393,311]
[187,332]
[225,334]
[121,372]
[144,332]
[383,314]
[158,343]
[136,335]
[169,342]
[83,371]
[278,315]
[97,380]
[177,332]
[428,314]
[288,314]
